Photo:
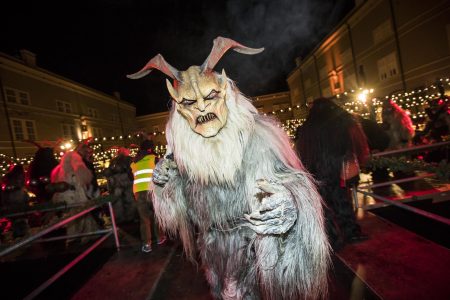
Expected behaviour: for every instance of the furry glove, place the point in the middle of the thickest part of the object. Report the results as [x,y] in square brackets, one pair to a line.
[276,213]
[165,169]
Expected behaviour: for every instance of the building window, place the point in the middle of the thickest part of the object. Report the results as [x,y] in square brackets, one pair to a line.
[23,129]
[387,67]
[96,132]
[68,131]
[63,106]
[382,32]
[17,96]
[92,112]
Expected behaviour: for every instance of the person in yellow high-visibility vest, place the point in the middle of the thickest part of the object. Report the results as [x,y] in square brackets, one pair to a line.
[142,167]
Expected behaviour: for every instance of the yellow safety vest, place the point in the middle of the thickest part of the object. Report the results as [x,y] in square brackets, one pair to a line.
[143,173]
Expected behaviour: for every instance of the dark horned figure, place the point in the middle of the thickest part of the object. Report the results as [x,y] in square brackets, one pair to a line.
[39,171]
[233,188]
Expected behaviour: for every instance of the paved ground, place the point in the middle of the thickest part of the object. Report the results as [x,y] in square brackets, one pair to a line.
[166,274]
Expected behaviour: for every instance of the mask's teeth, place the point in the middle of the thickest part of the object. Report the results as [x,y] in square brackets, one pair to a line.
[206,118]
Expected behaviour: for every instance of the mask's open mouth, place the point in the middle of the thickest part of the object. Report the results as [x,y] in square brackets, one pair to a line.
[206,118]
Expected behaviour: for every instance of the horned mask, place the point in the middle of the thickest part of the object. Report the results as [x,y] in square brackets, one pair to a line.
[199,93]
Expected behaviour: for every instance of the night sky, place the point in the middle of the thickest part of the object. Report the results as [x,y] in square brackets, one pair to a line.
[99,43]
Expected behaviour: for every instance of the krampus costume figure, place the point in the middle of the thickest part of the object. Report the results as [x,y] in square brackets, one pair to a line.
[38,173]
[75,179]
[327,142]
[120,184]
[233,183]
[397,124]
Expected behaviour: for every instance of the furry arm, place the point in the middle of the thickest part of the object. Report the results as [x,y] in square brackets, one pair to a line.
[170,203]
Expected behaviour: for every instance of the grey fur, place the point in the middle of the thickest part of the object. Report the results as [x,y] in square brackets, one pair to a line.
[287,258]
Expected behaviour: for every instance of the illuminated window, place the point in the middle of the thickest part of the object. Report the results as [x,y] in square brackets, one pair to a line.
[92,112]
[387,67]
[63,106]
[68,131]
[23,129]
[17,96]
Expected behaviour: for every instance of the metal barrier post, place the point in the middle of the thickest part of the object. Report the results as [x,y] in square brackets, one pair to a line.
[408,207]
[35,237]
[114,227]
[47,283]
[45,231]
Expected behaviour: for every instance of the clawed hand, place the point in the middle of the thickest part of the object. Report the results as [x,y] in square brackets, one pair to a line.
[276,213]
[165,169]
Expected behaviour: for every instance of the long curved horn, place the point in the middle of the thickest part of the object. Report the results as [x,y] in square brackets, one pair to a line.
[157,62]
[222,45]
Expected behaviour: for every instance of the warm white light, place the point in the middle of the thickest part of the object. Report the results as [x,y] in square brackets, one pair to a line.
[362,97]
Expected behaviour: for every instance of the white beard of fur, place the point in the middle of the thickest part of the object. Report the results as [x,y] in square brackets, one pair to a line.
[215,159]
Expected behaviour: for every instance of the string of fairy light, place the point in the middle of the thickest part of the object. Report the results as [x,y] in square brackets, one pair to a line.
[101,157]
[129,137]
[414,102]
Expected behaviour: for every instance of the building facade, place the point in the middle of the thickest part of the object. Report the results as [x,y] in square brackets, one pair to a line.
[385,45]
[37,105]
[154,125]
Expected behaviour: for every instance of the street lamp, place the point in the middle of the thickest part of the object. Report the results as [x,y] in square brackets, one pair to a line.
[362,97]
